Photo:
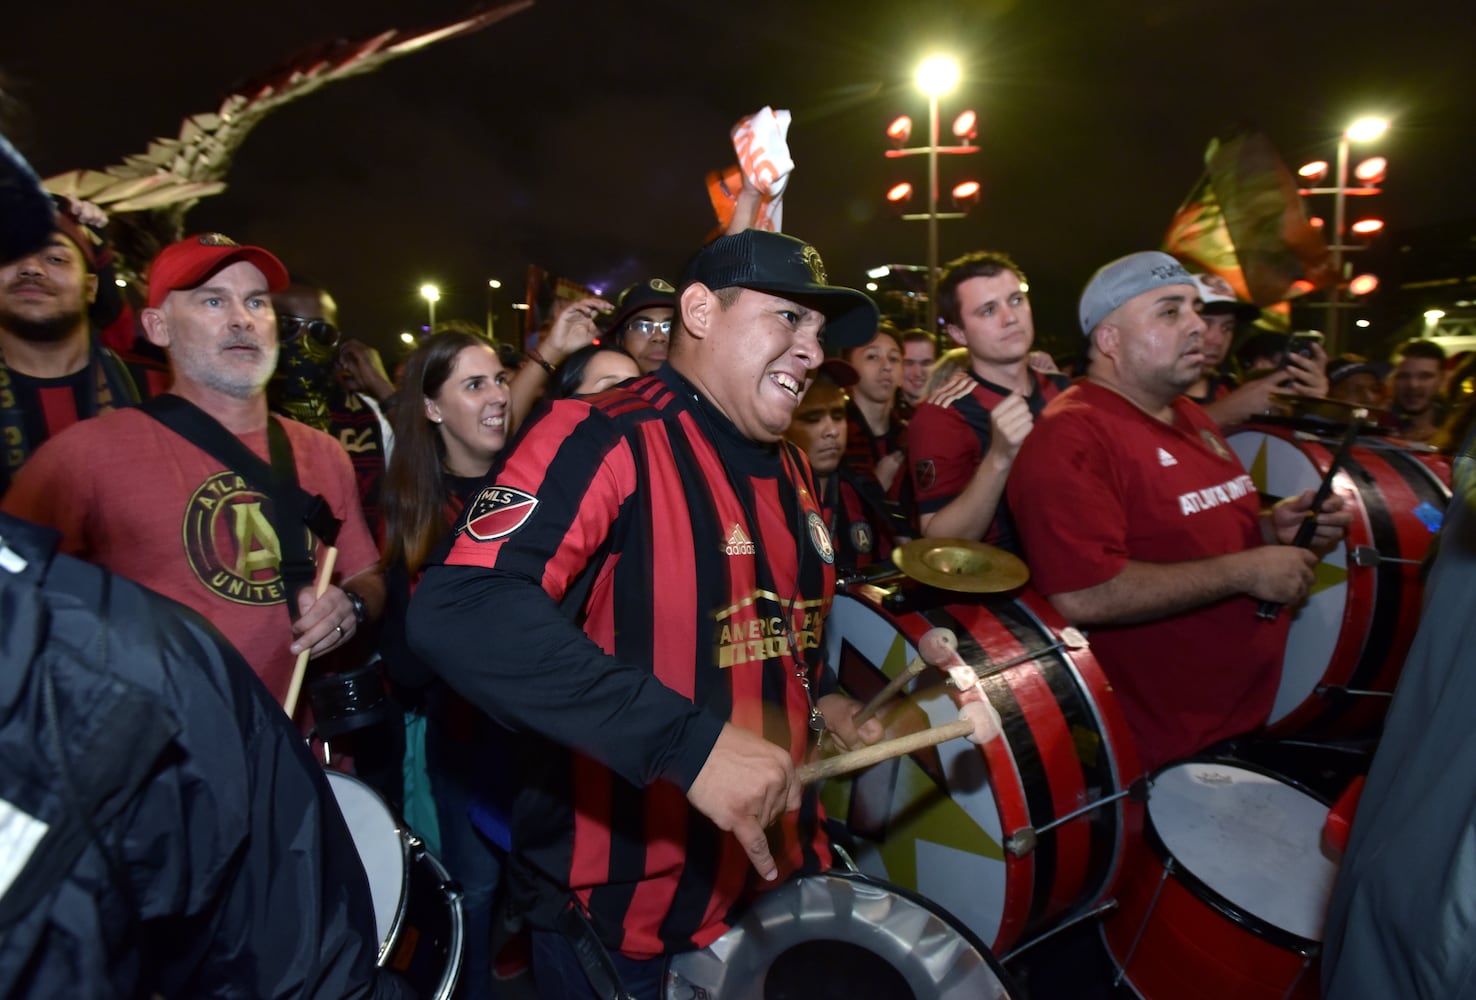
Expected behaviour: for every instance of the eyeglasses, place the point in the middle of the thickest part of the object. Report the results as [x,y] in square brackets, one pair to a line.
[646,327]
[319,331]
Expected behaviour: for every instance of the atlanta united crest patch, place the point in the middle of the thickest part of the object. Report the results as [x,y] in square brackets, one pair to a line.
[860,536]
[820,537]
[497,512]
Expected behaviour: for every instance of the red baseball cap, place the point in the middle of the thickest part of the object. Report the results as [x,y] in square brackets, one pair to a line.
[189,262]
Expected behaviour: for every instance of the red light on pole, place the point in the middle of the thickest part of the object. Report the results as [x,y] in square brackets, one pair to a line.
[1363,284]
[1367,227]
[966,125]
[1313,172]
[900,130]
[899,193]
[1372,170]
[966,194]
[1317,222]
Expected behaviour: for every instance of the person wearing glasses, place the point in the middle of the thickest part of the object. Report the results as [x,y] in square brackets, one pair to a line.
[335,384]
[642,322]
[143,499]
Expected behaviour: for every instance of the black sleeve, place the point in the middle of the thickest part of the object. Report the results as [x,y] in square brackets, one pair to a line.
[544,674]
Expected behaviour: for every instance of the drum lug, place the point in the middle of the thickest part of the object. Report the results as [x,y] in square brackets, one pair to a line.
[1022,841]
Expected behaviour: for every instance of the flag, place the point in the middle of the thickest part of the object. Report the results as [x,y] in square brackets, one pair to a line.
[1244,221]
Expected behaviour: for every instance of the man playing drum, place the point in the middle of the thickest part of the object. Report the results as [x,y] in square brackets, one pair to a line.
[1139,521]
[662,566]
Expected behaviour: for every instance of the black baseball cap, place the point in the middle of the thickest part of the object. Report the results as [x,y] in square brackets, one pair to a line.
[653,293]
[783,265]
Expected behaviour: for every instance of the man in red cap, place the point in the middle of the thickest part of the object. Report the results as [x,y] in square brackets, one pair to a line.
[53,372]
[190,509]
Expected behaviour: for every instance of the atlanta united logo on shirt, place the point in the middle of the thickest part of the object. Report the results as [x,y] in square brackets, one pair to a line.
[820,537]
[230,543]
[498,511]
[861,536]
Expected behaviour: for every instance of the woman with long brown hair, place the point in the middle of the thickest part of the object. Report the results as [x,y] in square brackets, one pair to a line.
[451,424]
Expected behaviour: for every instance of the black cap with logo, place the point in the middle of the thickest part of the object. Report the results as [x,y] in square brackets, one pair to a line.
[782,265]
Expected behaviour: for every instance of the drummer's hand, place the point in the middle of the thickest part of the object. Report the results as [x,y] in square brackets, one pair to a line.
[1332,521]
[840,722]
[746,784]
[1308,375]
[325,622]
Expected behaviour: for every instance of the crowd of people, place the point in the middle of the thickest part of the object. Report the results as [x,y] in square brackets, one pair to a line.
[595,571]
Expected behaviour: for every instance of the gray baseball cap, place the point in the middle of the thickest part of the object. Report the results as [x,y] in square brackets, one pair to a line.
[1124,278]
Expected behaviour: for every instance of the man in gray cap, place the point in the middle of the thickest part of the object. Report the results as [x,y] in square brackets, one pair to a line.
[664,559]
[1138,520]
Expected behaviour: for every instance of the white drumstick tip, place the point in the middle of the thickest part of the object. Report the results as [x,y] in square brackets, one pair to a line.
[985,720]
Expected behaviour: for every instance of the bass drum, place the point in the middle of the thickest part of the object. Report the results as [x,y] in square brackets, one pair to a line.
[1012,837]
[417,907]
[1355,629]
[839,935]
[1227,891]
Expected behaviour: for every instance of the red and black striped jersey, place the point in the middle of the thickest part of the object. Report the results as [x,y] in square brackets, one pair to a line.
[949,436]
[638,574]
[33,410]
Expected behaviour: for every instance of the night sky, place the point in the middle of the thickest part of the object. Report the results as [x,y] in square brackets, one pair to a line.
[577,135]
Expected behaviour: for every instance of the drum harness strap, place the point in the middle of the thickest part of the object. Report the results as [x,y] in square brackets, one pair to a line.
[292,506]
[604,979]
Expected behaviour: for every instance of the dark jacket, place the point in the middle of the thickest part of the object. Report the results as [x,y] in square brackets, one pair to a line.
[176,838]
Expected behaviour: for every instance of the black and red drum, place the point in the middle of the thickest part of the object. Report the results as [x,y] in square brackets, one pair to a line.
[1226,892]
[1348,641]
[840,935]
[1018,835]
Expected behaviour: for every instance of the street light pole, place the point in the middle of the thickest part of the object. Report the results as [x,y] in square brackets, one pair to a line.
[1340,209]
[492,285]
[432,295]
[933,212]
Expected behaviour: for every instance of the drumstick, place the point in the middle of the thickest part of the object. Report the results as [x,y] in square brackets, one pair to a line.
[978,721]
[929,641]
[1270,609]
[325,575]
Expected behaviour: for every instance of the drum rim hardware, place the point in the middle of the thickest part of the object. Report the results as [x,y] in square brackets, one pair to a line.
[1211,897]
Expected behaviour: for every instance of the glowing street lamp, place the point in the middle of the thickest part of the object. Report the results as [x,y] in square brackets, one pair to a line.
[936,75]
[1368,173]
[407,337]
[432,295]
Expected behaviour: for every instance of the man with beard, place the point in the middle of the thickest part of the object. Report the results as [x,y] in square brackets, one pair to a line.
[1140,523]
[962,442]
[338,386]
[1419,369]
[53,372]
[133,495]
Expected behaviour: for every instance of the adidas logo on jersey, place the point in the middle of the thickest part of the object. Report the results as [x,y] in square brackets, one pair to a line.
[739,544]
[1165,459]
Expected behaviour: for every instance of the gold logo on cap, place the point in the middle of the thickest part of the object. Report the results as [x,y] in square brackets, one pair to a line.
[217,240]
[811,257]
[661,285]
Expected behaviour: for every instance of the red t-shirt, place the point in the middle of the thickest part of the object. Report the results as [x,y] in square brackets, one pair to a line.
[132,496]
[1099,483]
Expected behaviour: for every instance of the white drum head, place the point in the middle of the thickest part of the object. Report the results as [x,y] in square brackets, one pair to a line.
[382,849]
[1281,469]
[1252,838]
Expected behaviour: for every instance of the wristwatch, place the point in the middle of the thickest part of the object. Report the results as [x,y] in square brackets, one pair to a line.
[360,611]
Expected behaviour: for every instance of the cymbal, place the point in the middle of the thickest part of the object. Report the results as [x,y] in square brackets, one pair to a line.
[961,565]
